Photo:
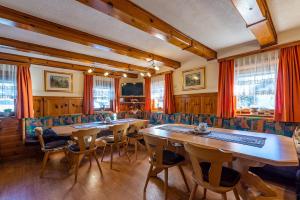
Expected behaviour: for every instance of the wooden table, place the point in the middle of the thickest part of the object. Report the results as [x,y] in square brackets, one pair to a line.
[69,129]
[277,150]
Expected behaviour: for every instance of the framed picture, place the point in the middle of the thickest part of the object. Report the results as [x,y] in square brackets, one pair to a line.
[58,81]
[194,79]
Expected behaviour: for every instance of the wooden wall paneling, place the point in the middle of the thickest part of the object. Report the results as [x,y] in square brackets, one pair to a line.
[209,104]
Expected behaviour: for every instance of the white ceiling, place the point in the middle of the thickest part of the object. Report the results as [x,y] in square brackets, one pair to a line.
[215,23]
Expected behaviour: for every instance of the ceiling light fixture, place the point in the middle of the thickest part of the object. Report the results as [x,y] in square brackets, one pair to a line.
[148,74]
[91,69]
[154,66]
[142,74]
[124,75]
[106,74]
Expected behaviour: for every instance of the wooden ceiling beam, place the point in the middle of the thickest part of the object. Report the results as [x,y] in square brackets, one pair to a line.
[50,63]
[43,50]
[258,19]
[18,19]
[136,16]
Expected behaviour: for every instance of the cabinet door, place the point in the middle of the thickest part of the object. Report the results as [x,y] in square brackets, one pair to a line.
[38,106]
[180,104]
[75,106]
[209,104]
[56,106]
[195,105]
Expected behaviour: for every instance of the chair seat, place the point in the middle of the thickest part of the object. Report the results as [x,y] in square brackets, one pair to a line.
[229,177]
[57,144]
[75,148]
[108,139]
[133,135]
[171,158]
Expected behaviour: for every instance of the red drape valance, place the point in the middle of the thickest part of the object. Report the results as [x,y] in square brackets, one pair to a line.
[88,98]
[287,101]
[226,105]
[24,96]
[148,94]
[169,107]
[116,106]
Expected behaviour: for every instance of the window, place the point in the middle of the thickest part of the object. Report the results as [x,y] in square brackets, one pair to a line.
[255,81]
[157,92]
[8,87]
[104,92]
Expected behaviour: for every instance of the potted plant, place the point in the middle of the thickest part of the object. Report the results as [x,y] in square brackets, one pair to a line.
[7,112]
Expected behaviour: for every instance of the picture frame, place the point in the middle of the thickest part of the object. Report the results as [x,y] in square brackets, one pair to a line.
[58,81]
[194,79]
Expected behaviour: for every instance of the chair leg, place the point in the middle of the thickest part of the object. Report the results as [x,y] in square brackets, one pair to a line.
[118,147]
[236,194]
[135,148]
[148,177]
[224,196]
[126,151]
[45,160]
[166,184]
[90,158]
[103,153]
[111,155]
[193,192]
[204,193]
[184,179]
[76,167]
[96,158]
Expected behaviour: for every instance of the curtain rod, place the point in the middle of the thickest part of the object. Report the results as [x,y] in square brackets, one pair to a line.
[270,48]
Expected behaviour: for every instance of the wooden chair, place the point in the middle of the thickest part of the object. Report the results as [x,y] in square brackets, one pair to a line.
[135,136]
[49,148]
[209,172]
[85,145]
[162,159]
[118,139]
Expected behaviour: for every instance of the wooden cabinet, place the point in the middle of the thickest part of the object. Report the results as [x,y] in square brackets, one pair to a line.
[55,106]
[205,103]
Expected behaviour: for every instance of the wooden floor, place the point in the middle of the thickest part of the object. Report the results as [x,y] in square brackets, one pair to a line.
[19,179]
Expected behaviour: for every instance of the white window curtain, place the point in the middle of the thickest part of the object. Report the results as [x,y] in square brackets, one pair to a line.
[255,80]
[8,86]
[157,91]
[104,92]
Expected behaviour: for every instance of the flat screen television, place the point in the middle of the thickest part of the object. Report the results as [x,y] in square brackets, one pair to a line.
[132,89]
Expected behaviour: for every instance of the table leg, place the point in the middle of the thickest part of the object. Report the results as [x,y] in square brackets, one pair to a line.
[250,180]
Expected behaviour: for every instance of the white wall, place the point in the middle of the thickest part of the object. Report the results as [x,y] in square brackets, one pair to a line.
[38,85]
[211,71]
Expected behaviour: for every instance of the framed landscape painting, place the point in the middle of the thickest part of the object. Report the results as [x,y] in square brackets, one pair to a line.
[194,79]
[58,81]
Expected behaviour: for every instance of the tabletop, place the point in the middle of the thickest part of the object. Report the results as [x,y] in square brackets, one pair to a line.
[277,150]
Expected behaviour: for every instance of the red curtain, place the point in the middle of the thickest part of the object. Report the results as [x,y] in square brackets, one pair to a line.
[148,94]
[88,98]
[116,106]
[169,107]
[226,105]
[287,101]
[24,96]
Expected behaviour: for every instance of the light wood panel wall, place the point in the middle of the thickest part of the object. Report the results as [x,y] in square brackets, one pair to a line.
[55,106]
[204,103]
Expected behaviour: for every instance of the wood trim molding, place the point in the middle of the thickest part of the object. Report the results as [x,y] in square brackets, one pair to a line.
[132,14]
[271,48]
[258,19]
[48,51]
[24,21]
[5,57]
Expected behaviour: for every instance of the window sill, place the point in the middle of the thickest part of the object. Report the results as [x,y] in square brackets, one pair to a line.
[255,115]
